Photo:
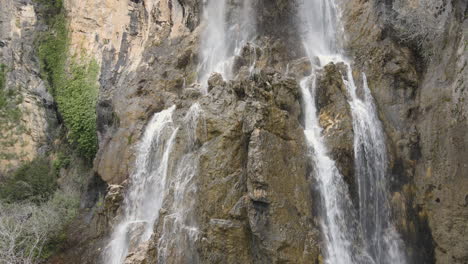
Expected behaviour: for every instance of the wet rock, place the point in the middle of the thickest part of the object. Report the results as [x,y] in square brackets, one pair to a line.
[215,79]
[336,121]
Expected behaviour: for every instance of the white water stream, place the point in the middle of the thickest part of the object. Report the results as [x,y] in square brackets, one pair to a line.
[145,196]
[165,172]
[159,178]
[380,237]
[367,236]
[180,229]
[229,25]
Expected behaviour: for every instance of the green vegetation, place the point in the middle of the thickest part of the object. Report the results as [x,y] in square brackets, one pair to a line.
[50,9]
[10,115]
[77,103]
[35,211]
[31,233]
[62,161]
[35,206]
[34,181]
[2,76]
[73,84]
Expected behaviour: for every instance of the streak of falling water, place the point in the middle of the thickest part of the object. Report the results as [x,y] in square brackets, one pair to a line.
[338,219]
[381,239]
[339,223]
[373,235]
[147,188]
[180,229]
[161,178]
[229,26]
[320,27]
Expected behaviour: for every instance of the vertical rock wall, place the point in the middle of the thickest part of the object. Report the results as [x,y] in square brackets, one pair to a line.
[27,117]
[422,102]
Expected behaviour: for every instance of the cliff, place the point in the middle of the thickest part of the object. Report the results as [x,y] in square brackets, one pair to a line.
[252,196]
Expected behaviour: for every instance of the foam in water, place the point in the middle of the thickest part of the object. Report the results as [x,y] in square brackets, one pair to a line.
[338,219]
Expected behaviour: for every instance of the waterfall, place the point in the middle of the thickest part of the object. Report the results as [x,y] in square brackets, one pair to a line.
[161,178]
[338,219]
[382,240]
[374,238]
[146,192]
[180,230]
[228,26]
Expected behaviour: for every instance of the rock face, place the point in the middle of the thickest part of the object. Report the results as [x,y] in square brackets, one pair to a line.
[423,107]
[255,202]
[336,121]
[27,117]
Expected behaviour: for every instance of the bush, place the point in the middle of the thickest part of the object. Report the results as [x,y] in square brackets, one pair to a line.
[35,181]
[30,233]
[53,52]
[62,161]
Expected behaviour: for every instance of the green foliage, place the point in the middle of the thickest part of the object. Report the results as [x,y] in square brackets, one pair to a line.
[77,103]
[2,76]
[50,9]
[73,85]
[62,161]
[65,205]
[35,181]
[53,52]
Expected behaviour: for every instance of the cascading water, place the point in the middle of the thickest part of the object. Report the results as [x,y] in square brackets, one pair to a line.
[373,235]
[382,240]
[147,189]
[338,221]
[228,27]
[180,231]
[160,178]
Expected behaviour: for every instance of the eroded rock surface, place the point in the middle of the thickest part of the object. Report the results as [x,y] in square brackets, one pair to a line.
[27,118]
[422,104]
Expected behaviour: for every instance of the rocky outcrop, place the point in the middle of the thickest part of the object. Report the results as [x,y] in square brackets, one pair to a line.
[256,171]
[335,119]
[252,173]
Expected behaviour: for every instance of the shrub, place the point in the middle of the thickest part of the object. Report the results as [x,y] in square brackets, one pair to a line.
[35,181]
[53,51]
[30,232]
[62,161]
